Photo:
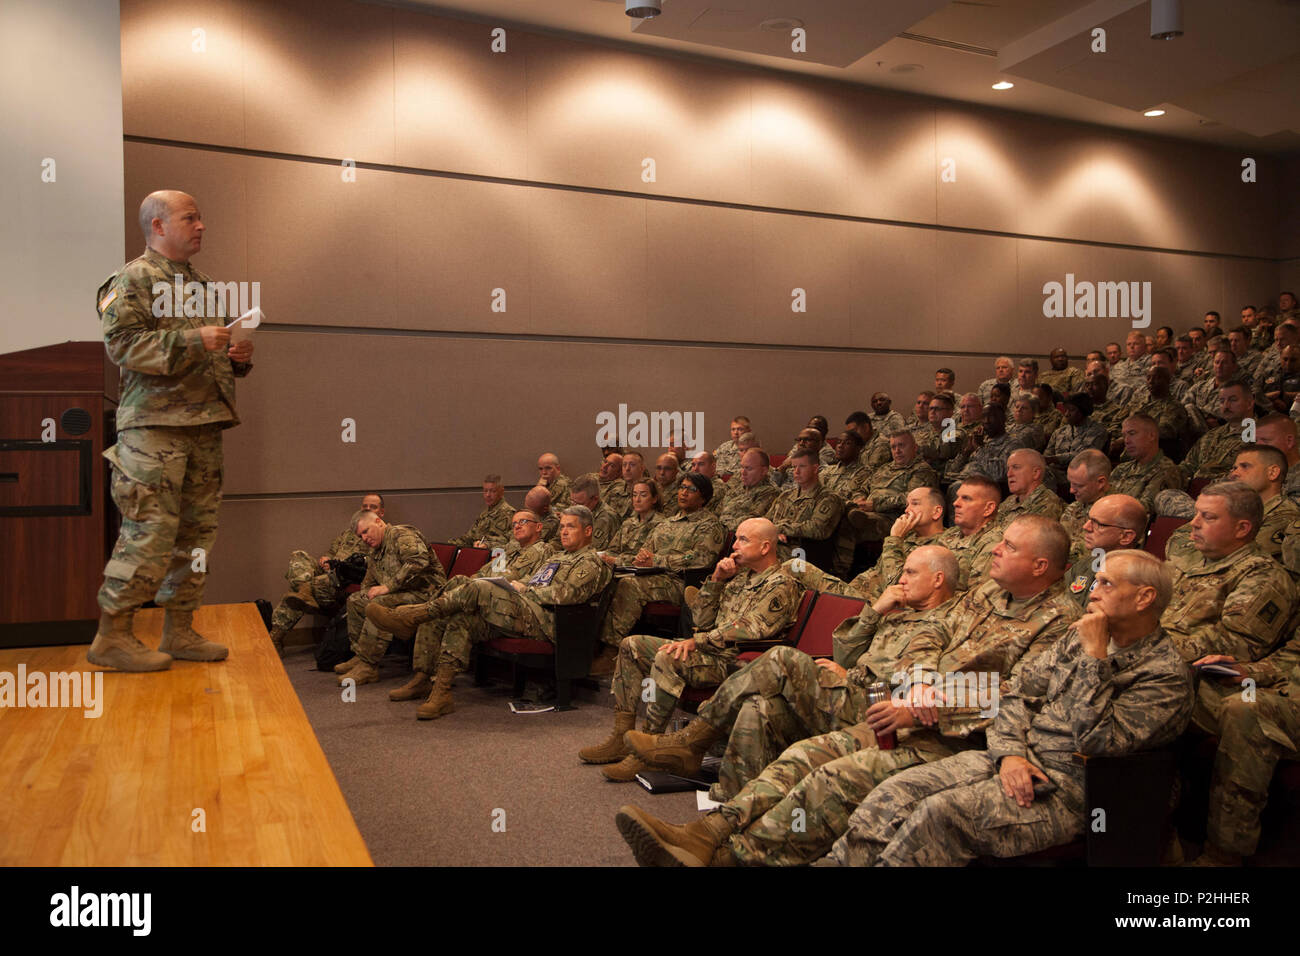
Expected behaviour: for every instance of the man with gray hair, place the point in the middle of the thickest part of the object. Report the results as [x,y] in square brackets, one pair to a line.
[492,526]
[1029,496]
[1004,371]
[585,491]
[572,576]
[1233,599]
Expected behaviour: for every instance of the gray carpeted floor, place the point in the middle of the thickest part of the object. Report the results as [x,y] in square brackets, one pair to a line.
[426,793]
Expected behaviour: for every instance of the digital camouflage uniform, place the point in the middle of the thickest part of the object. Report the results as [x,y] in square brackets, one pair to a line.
[617,495]
[472,610]
[1068,440]
[559,489]
[1170,416]
[1236,605]
[812,515]
[1131,372]
[404,564]
[1214,453]
[515,564]
[749,607]
[890,423]
[1041,501]
[1280,517]
[974,552]
[605,525]
[1204,395]
[989,460]
[1253,736]
[493,527]
[1050,420]
[785,696]
[631,537]
[176,398]
[550,527]
[1030,435]
[876,452]
[1067,381]
[668,497]
[986,389]
[719,495]
[1144,482]
[745,503]
[952,811]
[326,593]
[931,447]
[682,542]
[845,482]
[1110,414]
[871,584]
[821,780]
[727,456]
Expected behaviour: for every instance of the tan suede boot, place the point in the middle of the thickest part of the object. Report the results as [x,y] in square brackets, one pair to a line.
[613,749]
[276,635]
[347,665]
[439,703]
[604,661]
[680,753]
[625,770]
[116,646]
[181,641]
[418,686]
[400,621]
[363,673]
[656,843]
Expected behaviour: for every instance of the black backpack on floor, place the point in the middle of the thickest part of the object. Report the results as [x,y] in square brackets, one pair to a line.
[334,648]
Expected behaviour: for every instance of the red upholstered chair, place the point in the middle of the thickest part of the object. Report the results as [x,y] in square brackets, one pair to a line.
[468,561]
[665,616]
[1158,534]
[776,461]
[446,554]
[1197,485]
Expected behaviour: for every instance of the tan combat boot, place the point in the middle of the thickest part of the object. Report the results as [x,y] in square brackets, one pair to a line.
[181,641]
[400,621]
[363,673]
[625,770]
[276,635]
[656,843]
[418,686]
[613,749]
[604,661]
[680,753]
[117,646]
[347,665]
[439,702]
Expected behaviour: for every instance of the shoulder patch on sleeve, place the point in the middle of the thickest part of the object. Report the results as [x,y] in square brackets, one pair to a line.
[544,575]
[105,302]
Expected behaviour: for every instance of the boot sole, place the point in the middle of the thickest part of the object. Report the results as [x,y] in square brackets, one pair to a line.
[667,760]
[398,697]
[124,663]
[441,713]
[200,657]
[646,846]
[596,762]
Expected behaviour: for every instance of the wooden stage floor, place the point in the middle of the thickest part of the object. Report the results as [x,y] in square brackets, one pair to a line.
[229,739]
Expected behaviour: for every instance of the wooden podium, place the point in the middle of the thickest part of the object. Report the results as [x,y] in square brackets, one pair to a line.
[57,524]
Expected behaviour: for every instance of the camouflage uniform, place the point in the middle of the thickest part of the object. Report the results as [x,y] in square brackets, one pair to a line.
[176,398]
[1030,435]
[1067,381]
[890,423]
[871,584]
[617,495]
[949,812]
[888,490]
[821,780]
[516,564]
[845,481]
[1144,482]
[493,527]
[605,525]
[974,553]
[668,497]
[785,696]
[798,514]
[679,543]
[1068,440]
[559,489]
[1204,395]
[1040,501]
[1110,414]
[1236,605]
[1280,515]
[877,452]
[1081,577]
[727,456]
[1170,416]
[989,459]
[1050,421]
[986,389]
[632,536]
[1131,372]
[550,527]
[1292,487]
[1214,454]
[404,564]
[471,611]
[931,447]
[326,593]
[745,503]
[751,606]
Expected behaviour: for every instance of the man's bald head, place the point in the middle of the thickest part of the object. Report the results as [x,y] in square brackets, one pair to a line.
[158,205]
[756,544]
[538,500]
[760,529]
[171,224]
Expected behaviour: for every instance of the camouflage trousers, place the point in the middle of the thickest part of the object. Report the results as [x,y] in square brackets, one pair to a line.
[782,697]
[428,637]
[166,483]
[368,642]
[631,595]
[1253,737]
[641,656]
[951,811]
[325,598]
[472,610]
[795,810]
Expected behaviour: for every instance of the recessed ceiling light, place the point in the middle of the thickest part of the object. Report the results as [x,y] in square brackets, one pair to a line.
[907,68]
[1003,85]
[1154,113]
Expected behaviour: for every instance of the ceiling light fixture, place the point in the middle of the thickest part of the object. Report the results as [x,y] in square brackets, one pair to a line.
[1003,85]
[781,24]
[1154,113]
[642,9]
[1166,19]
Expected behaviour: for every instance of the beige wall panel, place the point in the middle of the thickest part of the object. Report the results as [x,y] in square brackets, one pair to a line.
[894,292]
[815,255]
[801,144]
[586,264]
[587,113]
[323,249]
[170,90]
[700,273]
[459,106]
[461,239]
[1039,262]
[978,294]
[1246,281]
[318,79]
[217,183]
[1286,243]
[1180,285]
[891,159]
[990,187]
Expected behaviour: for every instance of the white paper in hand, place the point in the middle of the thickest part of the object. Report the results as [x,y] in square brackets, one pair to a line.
[241,330]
